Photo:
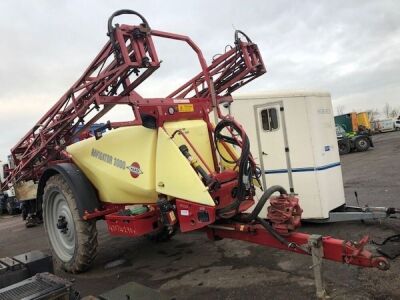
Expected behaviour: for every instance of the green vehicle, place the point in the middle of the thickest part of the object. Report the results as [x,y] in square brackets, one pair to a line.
[355,141]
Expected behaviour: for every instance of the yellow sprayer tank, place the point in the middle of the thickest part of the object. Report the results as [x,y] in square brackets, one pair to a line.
[132,165]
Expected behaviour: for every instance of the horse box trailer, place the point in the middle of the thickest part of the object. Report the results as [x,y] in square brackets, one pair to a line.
[293,139]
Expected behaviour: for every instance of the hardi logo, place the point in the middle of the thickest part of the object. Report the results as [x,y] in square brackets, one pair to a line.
[135,170]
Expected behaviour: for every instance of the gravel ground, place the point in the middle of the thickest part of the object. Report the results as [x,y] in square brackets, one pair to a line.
[192,267]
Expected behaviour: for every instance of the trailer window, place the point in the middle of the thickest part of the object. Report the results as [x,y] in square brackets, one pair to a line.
[269,118]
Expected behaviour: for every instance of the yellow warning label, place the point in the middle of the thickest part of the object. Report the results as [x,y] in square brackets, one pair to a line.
[172,216]
[185,108]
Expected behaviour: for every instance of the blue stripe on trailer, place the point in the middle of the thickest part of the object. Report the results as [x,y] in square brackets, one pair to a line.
[309,169]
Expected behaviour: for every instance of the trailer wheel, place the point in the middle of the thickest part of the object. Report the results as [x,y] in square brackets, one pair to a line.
[3,204]
[362,144]
[344,148]
[73,240]
[24,211]
[10,206]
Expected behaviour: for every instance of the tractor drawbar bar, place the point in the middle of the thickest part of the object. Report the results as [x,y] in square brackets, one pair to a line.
[347,252]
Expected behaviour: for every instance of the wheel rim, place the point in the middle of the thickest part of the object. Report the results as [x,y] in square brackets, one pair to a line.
[362,143]
[343,148]
[60,226]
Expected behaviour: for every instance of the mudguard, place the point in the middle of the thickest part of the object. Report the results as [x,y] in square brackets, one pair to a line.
[81,187]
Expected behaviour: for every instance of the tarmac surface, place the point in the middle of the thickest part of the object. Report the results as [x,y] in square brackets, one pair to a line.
[192,267]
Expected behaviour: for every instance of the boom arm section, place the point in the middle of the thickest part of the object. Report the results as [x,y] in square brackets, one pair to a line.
[229,71]
[126,60]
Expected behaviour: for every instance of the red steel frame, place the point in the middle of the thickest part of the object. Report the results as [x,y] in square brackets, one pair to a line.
[334,249]
[108,81]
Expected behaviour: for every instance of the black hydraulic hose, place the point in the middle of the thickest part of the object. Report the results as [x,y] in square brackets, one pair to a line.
[273,232]
[110,27]
[218,136]
[266,195]
[237,38]
[124,12]
[244,164]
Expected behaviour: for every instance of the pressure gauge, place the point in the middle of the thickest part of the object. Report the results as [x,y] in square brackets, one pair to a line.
[171,110]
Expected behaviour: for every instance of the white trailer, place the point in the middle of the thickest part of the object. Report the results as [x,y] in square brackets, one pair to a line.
[293,139]
[385,125]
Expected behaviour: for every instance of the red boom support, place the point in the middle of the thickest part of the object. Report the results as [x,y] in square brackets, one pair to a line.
[108,82]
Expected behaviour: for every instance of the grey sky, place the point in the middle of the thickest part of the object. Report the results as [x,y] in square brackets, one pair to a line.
[349,48]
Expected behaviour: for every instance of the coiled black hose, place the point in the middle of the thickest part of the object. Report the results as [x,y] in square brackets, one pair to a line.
[245,170]
[110,27]
[237,38]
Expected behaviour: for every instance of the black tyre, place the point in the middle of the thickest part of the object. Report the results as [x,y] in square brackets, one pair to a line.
[10,206]
[344,148]
[2,202]
[73,240]
[24,211]
[162,235]
[362,144]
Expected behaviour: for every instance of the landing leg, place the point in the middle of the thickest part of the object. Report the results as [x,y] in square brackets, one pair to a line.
[317,253]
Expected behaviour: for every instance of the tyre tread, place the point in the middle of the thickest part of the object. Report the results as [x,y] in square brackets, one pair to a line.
[86,232]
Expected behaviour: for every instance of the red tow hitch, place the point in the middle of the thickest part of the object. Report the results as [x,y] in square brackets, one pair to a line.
[277,231]
[348,252]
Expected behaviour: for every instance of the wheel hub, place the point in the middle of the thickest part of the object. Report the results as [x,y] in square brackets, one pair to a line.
[62,224]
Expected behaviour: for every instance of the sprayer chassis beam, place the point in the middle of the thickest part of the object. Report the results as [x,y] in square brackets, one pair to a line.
[333,249]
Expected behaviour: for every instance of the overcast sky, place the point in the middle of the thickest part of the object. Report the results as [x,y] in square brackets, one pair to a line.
[349,48]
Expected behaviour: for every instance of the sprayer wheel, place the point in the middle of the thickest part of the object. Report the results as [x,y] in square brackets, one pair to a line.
[73,240]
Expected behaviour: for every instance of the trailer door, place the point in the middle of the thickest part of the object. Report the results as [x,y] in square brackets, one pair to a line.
[273,146]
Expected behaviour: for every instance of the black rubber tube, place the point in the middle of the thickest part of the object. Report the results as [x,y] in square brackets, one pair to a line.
[237,38]
[243,162]
[273,232]
[110,27]
[267,194]
[124,12]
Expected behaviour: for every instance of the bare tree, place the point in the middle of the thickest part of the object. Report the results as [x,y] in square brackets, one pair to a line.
[387,109]
[394,112]
[373,114]
[340,109]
